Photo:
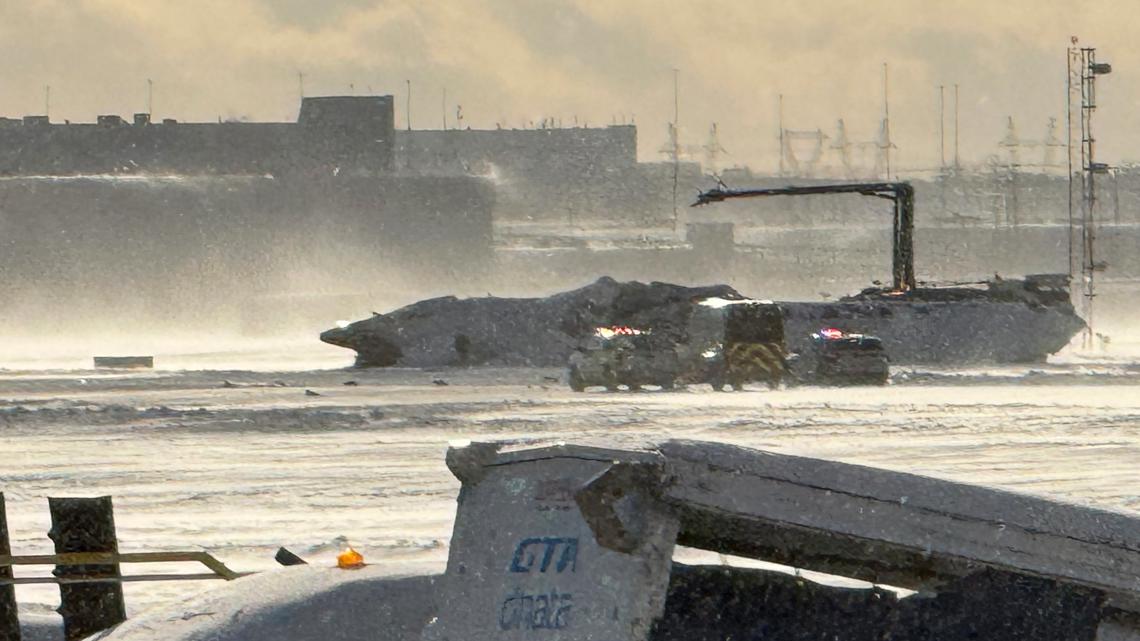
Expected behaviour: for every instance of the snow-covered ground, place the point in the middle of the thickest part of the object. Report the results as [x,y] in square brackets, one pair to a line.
[225,451]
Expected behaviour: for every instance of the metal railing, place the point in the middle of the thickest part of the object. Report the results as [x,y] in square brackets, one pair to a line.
[218,570]
[85,566]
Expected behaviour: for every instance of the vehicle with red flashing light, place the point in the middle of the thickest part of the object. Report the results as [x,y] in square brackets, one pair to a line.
[724,343]
[836,357]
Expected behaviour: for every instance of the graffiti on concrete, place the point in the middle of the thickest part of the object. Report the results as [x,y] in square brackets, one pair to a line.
[529,550]
[548,611]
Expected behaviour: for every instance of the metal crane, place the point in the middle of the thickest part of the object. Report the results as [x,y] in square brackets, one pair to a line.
[900,193]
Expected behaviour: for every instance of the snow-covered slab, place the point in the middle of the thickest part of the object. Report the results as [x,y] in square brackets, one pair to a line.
[298,603]
[890,527]
[575,543]
[555,544]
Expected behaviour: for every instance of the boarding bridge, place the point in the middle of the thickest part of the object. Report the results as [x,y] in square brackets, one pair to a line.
[574,543]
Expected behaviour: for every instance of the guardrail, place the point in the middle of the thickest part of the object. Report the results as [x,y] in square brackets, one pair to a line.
[86,568]
[218,570]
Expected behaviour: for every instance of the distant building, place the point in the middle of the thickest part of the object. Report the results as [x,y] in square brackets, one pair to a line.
[331,133]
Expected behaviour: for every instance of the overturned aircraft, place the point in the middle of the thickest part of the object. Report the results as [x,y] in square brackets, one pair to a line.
[1011,320]
[537,332]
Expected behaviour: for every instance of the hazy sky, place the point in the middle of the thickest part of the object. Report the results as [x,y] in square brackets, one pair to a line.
[518,61]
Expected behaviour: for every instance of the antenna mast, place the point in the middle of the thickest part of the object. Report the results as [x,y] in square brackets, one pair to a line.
[1089,69]
[1070,54]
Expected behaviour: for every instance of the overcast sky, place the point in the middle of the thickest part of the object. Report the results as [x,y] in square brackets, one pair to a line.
[518,61]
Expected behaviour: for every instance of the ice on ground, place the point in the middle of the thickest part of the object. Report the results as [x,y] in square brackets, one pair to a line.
[240,470]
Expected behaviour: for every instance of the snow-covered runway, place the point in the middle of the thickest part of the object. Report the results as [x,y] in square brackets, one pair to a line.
[240,462]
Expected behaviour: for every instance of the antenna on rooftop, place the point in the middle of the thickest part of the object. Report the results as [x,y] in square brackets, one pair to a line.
[47,101]
[149,98]
[301,85]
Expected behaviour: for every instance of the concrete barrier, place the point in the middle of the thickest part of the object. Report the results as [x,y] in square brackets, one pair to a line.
[564,542]
[574,543]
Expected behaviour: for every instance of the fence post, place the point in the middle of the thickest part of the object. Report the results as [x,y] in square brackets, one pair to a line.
[86,525]
[9,619]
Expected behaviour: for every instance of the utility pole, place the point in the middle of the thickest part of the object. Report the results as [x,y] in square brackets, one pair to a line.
[942,147]
[676,145]
[957,164]
[1069,53]
[942,127]
[408,107]
[47,102]
[301,85]
[443,108]
[149,98]
[780,117]
[886,123]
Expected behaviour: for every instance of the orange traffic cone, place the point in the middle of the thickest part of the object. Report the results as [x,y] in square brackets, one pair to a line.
[350,559]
